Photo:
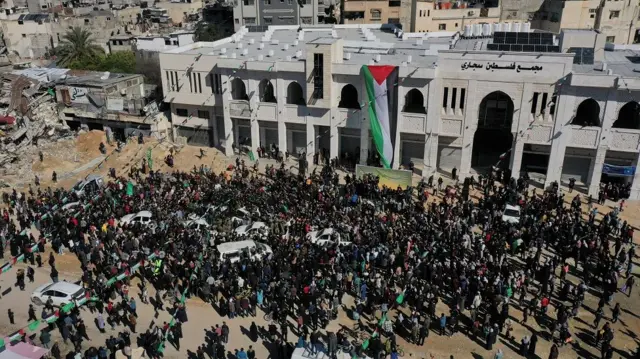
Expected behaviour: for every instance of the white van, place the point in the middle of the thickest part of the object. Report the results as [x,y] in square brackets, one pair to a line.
[89,184]
[232,250]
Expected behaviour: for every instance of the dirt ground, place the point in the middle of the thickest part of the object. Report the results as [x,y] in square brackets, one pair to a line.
[202,316]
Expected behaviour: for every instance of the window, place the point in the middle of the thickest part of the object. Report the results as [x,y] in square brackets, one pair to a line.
[281,1]
[445,97]
[203,114]
[108,19]
[191,82]
[86,21]
[24,35]
[172,80]
[442,26]
[456,24]
[454,94]
[182,112]
[249,2]
[120,42]
[611,39]
[318,75]
[290,2]
[534,103]
[306,20]
[394,3]
[376,14]
[393,20]
[614,14]
[237,21]
[249,20]
[462,93]
[592,11]
[268,20]
[216,83]
[592,16]
[267,2]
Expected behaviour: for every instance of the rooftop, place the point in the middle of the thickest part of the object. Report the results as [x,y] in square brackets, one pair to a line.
[74,77]
[364,43]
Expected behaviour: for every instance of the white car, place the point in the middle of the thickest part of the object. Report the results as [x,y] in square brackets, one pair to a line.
[89,184]
[242,216]
[325,237]
[142,217]
[511,214]
[251,229]
[60,293]
[233,250]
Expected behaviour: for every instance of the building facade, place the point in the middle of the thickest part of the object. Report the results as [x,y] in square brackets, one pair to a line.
[274,12]
[457,104]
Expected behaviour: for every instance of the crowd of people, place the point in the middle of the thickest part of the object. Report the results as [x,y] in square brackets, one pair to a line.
[400,253]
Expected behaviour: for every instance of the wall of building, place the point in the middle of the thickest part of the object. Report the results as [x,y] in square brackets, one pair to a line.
[176,11]
[30,39]
[619,21]
[274,12]
[373,12]
[427,18]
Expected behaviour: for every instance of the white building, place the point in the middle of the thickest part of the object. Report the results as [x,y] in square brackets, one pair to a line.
[458,104]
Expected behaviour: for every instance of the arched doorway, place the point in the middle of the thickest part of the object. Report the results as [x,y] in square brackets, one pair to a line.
[629,117]
[493,139]
[294,94]
[588,114]
[414,102]
[267,94]
[349,97]
[238,90]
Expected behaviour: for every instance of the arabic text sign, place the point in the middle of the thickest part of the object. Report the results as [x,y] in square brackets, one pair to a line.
[78,95]
[614,170]
[491,66]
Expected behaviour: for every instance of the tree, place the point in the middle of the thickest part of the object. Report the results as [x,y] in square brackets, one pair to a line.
[207,31]
[120,62]
[77,45]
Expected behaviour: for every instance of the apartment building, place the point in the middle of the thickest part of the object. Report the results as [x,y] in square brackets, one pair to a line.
[373,11]
[567,110]
[430,16]
[275,12]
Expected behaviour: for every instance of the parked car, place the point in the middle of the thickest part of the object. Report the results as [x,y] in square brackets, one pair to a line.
[326,237]
[60,293]
[90,184]
[511,214]
[142,217]
[234,250]
[251,229]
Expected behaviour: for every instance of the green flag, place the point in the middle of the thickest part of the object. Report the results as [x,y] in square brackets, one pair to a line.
[383,319]
[365,344]
[149,159]
[400,298]
[129,189]
[1,342]
[67,307]
[51,92]
[161,347]
[33,325]
[111,281]
[252,157]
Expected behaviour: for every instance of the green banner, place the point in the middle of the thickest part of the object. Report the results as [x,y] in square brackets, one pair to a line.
[129,189]
[388,177]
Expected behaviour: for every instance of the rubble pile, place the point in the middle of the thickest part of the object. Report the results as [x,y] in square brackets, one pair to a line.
[29,119]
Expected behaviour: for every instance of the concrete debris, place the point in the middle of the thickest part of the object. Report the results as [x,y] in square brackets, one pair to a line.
[30,120]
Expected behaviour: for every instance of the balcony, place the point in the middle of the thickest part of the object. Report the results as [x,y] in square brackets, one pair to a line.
[349,118]
[413,122]
[624,140]
[267,111]
[584,137]
[240,108]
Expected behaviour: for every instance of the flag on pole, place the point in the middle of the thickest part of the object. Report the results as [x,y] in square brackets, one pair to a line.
[252,157]
[400,298]
[379,82]
[34,325]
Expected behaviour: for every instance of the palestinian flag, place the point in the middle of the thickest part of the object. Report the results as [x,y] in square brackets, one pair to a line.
[380,83]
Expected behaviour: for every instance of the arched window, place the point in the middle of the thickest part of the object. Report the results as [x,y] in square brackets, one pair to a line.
[349,97]
[266,91]
[588,114]
[629,117]
[414,102]
[238,90]
[496,111]
[294,94]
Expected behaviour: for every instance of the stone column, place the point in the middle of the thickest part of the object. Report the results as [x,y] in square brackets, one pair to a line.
[468,129]
[255,136]
[283,135]
[334,146]
[520,128]
[635,186]
[311,142]
[430,155]
[364,137]
[229,137]
[561,136]
[595,170]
